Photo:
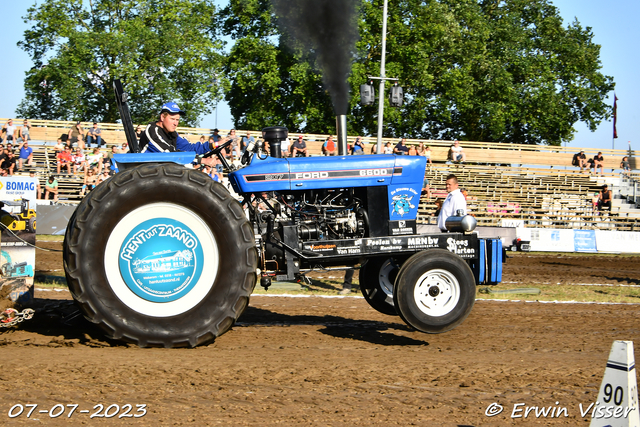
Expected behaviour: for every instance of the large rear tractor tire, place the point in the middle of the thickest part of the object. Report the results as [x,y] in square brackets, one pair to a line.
[161,255]
[377,276]
[434,291]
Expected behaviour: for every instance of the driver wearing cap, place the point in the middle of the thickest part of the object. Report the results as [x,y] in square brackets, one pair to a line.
[161,136]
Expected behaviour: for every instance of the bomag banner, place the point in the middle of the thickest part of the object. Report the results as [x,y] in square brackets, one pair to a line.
[17,237]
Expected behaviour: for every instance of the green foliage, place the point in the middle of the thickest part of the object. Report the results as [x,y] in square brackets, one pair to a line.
[160,50]
[270,82]
[486,70]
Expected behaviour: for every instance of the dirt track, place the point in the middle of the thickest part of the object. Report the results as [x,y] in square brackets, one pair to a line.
[332,361]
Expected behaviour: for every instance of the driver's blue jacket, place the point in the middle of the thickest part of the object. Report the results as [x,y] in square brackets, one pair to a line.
[155,139]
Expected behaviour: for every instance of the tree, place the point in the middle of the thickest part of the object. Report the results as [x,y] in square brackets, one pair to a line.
[160,50]
[486,70]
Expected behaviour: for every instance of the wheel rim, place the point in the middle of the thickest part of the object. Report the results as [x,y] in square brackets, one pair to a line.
[159,265]
[437,292]
[386,278]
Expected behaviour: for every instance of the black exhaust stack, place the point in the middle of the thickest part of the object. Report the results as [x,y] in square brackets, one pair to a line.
[274,136]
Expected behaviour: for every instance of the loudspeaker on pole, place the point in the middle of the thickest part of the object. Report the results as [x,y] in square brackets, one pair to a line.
[367,94]
[396,96]
[617,404]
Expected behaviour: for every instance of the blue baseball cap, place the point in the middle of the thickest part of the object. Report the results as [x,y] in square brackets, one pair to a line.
[172,108]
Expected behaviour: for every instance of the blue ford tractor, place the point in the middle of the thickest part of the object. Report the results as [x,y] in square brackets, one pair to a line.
[162,255]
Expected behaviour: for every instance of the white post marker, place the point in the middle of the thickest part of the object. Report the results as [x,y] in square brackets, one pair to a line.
[617,404]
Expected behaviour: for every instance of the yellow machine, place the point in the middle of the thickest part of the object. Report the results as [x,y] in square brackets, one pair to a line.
[17,216]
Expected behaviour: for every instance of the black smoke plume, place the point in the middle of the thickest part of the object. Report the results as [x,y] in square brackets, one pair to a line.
[330,28]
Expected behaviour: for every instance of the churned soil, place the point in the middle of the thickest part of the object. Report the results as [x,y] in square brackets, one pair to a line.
[309,360]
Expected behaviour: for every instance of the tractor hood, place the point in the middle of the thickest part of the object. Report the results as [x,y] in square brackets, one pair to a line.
[308,173]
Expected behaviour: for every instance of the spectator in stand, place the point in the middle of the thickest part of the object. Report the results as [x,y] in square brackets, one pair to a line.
[438,204]
[299,147]
[591,164]
[284,146]
[457,153]
[216,136]
[124,148]
[358,146]
[401,147]
[106,160]
[387,149]
[454,202]
[138,132]
[215,162]
[51,187]
[32,174]
[594,201]
[579,159]
[9,163]
[79,161]
[413,151]
[94,160]
[424,151]
[329,147]
[624,165]
[605,198]
[10,131]
[24,131]
[76,135]
[65,159]
[233,151]
[374,148]
[246,140]
[464,192]
[26,153]
[90,181]
[94,133]
[426,190]
[427,154]
[214,174]
[598,161]
[103,176]
[106,167]
[114,150]
[59,147]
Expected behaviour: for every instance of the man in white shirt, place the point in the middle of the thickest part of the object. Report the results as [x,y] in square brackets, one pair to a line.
[455,201]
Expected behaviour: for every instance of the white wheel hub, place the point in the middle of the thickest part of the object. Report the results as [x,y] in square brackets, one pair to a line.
[161,259]
[436,292]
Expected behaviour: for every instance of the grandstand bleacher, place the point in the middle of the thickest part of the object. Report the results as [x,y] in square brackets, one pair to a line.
[506,182]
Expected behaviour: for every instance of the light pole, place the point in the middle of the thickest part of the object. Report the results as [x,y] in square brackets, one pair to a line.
[382,78]
[214,84]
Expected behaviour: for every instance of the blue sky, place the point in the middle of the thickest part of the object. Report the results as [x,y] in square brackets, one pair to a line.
[613,23]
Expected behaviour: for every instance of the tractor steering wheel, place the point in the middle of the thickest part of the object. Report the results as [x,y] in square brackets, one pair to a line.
[218,149]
